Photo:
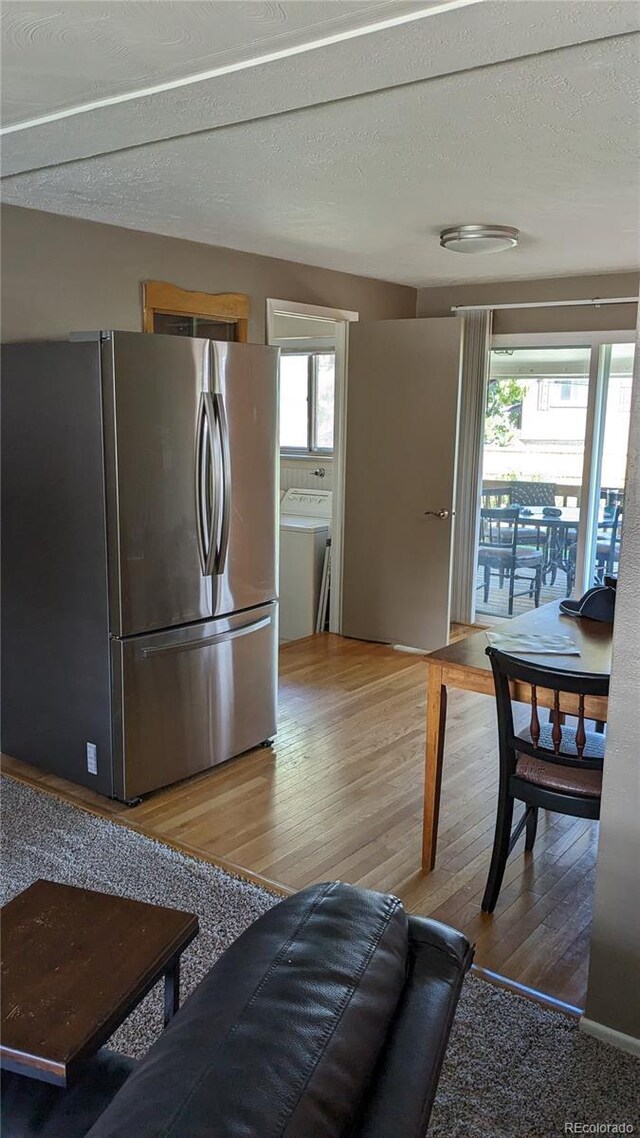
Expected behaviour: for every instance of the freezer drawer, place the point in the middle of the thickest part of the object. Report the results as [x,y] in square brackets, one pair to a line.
[187,699]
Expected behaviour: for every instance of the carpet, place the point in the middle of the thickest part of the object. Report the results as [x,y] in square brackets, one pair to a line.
[45,837]
[513,1069]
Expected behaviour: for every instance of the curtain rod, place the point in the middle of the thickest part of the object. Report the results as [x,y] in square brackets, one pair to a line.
[597,301]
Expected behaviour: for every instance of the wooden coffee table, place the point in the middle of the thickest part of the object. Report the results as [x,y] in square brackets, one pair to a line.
[74,965]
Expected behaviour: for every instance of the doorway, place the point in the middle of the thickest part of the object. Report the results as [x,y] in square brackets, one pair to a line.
[614,420]
[313,389]
[554,455]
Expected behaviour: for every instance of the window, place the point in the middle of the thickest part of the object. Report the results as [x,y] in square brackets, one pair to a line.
[568,393]
[307,385]
[169,324]
[175,311]
[534,459]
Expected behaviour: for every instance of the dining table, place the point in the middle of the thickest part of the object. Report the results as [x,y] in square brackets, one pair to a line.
[464,664]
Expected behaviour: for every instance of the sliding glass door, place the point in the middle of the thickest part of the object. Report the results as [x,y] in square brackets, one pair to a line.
[613,412]
[554,457]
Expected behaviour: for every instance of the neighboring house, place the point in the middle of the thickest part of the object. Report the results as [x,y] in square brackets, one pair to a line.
[546,442]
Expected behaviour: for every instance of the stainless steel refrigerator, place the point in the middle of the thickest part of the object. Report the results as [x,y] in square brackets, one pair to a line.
[139,626]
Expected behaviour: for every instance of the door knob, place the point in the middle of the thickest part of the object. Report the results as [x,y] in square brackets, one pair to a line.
[444,514]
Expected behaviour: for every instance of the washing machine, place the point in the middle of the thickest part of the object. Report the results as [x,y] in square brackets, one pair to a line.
[305,525]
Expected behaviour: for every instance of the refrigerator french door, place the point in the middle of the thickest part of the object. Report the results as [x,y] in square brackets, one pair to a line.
[190,437]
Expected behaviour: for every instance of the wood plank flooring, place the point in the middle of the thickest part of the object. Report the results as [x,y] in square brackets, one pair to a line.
[339,795]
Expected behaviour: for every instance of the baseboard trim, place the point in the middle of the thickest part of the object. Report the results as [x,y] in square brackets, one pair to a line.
[518,989]
[610,1035]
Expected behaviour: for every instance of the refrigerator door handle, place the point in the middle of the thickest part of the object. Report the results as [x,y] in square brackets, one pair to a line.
[207,494]
[212,484]
[200,478]
[205,641]
[225,456]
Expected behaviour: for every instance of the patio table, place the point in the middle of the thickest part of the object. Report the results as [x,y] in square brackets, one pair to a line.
[557,528]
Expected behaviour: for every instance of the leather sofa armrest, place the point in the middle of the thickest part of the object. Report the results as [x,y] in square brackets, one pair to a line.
[406,1079]
[285,1031]
[31,1109]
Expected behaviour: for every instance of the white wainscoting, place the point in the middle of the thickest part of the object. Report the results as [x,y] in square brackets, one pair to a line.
[296,472]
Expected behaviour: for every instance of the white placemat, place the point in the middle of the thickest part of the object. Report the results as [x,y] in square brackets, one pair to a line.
[533,644]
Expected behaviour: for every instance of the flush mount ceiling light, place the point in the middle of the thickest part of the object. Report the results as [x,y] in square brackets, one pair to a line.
[479,238]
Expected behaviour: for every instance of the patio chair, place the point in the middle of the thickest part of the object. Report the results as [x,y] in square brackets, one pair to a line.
[550,766]
[608,547]
[502,553]
[532,494]
[607,552]
[529,494]
[611,496]
[494,497]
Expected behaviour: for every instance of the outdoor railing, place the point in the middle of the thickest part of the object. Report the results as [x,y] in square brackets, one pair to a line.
[498,492]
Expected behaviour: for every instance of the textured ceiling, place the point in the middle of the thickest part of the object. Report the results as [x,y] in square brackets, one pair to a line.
[546,142]
[56,56]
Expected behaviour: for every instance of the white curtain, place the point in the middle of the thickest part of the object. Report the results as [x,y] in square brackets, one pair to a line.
[476,344]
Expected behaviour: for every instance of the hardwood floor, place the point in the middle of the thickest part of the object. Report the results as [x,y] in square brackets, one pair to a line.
[339,794]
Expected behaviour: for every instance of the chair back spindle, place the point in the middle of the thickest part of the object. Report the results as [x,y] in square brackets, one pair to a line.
[567,745]
[534,726]
[556,734]
[581,735]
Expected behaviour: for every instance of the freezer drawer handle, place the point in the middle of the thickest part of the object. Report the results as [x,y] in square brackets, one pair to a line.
[218,638]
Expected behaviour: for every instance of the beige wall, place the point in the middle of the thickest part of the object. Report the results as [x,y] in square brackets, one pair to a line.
[613,998]
[439,301]
[62,274]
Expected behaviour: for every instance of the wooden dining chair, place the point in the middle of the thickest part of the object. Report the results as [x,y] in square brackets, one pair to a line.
[551,766]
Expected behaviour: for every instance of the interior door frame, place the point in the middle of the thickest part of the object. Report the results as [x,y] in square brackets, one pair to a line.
[596,403]
[341,317]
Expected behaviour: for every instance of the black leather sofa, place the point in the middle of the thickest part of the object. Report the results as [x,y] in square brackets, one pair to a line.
[328,1017]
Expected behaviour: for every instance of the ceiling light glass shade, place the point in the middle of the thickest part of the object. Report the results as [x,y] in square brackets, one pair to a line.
[479,238]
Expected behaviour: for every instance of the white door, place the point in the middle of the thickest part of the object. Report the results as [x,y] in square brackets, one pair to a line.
[403,393]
